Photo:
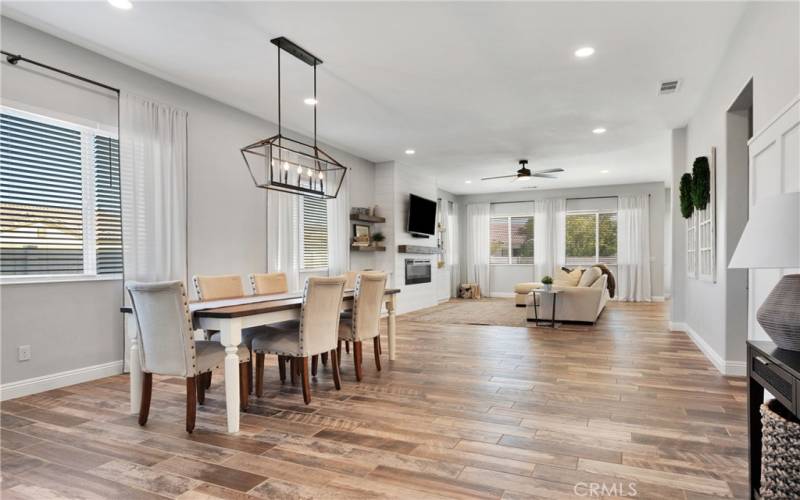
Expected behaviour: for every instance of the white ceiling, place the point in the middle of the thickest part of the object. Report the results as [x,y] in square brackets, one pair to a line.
[472,87]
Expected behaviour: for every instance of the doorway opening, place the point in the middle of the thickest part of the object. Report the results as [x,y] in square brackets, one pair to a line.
[738,131]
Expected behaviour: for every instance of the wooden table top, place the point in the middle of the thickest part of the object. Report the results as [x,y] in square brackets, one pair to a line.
[267,306]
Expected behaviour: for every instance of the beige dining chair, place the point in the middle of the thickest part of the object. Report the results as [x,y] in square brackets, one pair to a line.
[167,347]
[269,283]
[220,287]
[365,323]
[314,333]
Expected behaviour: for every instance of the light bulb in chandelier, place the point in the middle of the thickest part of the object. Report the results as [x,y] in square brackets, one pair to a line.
[286,166]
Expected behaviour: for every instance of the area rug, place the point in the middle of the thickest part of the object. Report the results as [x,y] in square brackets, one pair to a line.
[486,311]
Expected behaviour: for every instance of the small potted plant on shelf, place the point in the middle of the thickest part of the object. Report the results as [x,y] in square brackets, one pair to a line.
[547,281]
[377,238]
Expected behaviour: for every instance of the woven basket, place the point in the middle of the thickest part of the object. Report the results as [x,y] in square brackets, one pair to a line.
[780,453]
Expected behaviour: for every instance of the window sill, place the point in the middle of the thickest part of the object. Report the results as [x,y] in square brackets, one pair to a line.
[55,278]
[512,264]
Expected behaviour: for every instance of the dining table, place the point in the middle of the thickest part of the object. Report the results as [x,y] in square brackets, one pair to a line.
[229,317]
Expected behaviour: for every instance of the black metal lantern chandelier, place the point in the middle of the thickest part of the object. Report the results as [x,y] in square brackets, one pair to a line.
[288,165]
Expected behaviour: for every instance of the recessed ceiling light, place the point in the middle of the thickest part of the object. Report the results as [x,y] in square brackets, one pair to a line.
[410,151]
[467,182]
[310,101]
[599,130]
[604,171]
[584,52]
[121,4]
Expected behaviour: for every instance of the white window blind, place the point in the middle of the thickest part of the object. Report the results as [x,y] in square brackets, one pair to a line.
[314,233]
[59,200]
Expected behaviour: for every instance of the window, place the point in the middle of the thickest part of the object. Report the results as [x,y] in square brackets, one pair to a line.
[314,233]
[691,245]
[591,237]
[59,202]
[511,240]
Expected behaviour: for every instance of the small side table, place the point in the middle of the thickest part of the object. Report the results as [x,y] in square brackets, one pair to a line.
[535,304]
[777,371]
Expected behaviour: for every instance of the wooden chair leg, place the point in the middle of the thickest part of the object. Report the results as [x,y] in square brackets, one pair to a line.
[250,384]
[376,344]
[304,375]
[324,358]
[201,387]
[191,403]
[357,359]
[244,390]
[347,346]
[293,370]
[339,351]
[314,362]
[335,369]
[259,374]
[380,348]
[208,380]
[147,391]
[282,368]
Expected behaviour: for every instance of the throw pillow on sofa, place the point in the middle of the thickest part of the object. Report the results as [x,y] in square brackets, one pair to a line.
[564,278]
[589,276]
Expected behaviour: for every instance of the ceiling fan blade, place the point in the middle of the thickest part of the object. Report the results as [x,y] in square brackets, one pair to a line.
[529,187]
[546,176]
[498,177]
[549,170]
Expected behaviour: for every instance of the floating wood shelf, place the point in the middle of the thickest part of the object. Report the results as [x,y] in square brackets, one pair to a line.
[372,219]
[418,249]
[357,248]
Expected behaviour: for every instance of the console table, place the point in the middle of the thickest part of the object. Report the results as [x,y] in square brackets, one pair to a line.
[777,371]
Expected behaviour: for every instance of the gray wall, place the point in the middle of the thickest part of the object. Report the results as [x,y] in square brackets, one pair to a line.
[504,278]
[227,224]
[765,47]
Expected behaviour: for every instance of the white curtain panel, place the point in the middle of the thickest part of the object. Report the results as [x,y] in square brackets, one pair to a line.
[339,230]
[477,245]
[633,249]
[283,244]
[453,248]
[549,236]
[153,165]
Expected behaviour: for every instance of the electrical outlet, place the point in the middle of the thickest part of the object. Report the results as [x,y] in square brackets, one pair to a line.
[24,353]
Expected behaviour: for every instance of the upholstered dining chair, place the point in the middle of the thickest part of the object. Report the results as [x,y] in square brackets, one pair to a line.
[365,323]
[314,333]
[220,287]
[167,347]
[269,283]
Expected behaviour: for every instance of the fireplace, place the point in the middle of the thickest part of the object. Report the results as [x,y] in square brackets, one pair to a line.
[418,271]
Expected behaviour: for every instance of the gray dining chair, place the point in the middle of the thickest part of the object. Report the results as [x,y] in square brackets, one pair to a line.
[313,334]
[167,347]
[365,323]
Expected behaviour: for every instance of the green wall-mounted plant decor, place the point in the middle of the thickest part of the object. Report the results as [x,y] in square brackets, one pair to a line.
[701,183]
[687,207]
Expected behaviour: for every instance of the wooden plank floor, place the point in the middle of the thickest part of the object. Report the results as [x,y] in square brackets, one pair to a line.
[466,412]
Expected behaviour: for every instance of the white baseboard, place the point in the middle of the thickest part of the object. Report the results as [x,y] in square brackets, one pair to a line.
[502,295]
[725,367]
[657,298]
[56,380]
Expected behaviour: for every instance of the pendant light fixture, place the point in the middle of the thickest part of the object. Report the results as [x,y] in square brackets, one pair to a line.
[288,165]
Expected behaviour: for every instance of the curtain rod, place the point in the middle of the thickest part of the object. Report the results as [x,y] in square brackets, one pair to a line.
[16,58]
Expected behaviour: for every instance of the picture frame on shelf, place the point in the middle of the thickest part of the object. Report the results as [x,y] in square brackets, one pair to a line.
[361,235]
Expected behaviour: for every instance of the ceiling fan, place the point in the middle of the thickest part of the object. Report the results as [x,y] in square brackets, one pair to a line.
[524,173]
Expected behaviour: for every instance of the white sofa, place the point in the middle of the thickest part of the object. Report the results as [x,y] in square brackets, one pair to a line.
[576,303]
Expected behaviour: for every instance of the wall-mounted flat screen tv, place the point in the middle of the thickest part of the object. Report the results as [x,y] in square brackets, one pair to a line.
[421,216]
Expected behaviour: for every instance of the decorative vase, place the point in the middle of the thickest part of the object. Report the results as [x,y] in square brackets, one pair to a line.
[779,315]
[548,287]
